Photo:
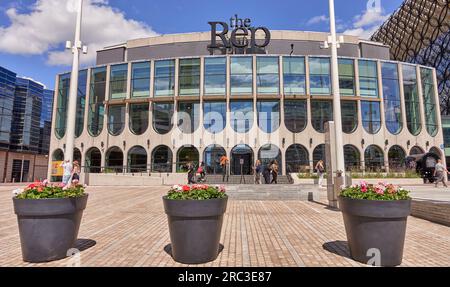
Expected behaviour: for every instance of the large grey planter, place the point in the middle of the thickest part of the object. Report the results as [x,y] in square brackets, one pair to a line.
[48,228]
[195,227]
[375,225]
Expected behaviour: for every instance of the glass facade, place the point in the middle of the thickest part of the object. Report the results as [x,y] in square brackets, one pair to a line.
[429,101]
[411,99]
[241,152]
[269,154]
[139,118]
[114,160]
[188,116]
[368,79]
[391,98]
[140,80]
[294,77]
[61,105]
[186,155]
[161,159]
[211,158]
[116,119]
[321,112]
[189,77]
[118,81]
[374,158]
[346,77]
[7,89]
[267,75]
[164,85]
[81,102]
[214,116]
[215,76]
[96,99]
[297,159]
[137,159]
[268,115]
[295,115]
[46,121]
[241,75]
[371,117]
[396,157]
[241,115]
[349,115]
[352,158]
[319,76]
[163,117]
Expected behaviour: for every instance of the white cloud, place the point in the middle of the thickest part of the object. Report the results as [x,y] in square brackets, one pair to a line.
[367,23]
[44,30]
[31,79]
[317,20]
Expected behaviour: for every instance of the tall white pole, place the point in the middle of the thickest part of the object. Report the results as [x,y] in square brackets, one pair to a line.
[72,106]
[339,148]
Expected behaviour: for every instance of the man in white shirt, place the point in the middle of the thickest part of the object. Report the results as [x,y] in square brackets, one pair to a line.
[439,170]
[67,171]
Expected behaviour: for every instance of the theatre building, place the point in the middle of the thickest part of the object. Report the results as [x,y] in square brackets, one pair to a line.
[152,105]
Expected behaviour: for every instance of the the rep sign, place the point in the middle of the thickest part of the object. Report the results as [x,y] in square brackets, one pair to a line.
[239,35]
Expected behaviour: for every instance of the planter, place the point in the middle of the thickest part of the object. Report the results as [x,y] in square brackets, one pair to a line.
[375,224]
[48,228]
[195,227]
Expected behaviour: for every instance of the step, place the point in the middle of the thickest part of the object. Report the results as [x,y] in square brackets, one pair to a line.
[237,179]
[272,192]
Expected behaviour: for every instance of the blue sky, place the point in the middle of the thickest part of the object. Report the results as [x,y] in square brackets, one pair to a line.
[33,32]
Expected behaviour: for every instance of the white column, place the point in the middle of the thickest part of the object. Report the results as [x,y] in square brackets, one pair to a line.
[71,110]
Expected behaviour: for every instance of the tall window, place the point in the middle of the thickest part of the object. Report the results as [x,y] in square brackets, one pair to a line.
[391,98]
[319,76]
[347,77]
[241,116]
[371,117]
[411,99]
[349,116]
[162,117]
[137,159]
[96,99]
[429,101]
[61,109]
[139,118]
[294,79]
[368,81]
[162,159]
[295,115]
[188,116]
[140,80]
[215,76]
[116,119]
[214,116]
[321,112]
[351,158]
[118,81]
[81,102]
[268,115]
[268,80]
[374,158]
[164,78]
[189,77]
[297,158]
[241,75]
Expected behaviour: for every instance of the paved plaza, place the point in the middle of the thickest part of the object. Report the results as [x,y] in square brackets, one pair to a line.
[128,227]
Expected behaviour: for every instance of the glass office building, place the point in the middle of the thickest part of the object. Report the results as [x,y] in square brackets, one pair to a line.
[154,105]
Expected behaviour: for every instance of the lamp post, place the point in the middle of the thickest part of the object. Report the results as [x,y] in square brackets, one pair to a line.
[72,106]
[333,41]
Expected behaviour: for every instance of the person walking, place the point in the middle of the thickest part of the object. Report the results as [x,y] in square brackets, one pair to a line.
[223,165]
[258,170]
[191,173]
[320,172]
[266,173]
[201,172]
[439,170]
[76,172]
[274,169]
[67,166]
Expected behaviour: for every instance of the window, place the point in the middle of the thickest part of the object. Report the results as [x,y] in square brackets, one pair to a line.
[81,102]
[294,76]
[93,161]
[346,77]
[319,154]
[215,76]
[162,117]
[214,116]
[268,80]
[429,101]
[139,118]
[211,157]
[349,116]
[96,98]
[241,152]
[374,158]
[241,116]
[371,117]
[297,159]
[187,154]
[189,77]
[396,158]
[391,98]
[368,81]
[295,115]
[116,119]
[162,159]
[118,81]
[140,80]
[319,76]
[114,160]
[416,150]
[411,99]
[137,159]
[268,154]
[241,77]
[268,115]
[351,158]
[321,112]
[61,109]
[188,116]
[164,78]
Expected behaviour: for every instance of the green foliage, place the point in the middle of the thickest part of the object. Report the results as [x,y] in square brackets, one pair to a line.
[196,192]
[406,174]
[40,190]
[375,192]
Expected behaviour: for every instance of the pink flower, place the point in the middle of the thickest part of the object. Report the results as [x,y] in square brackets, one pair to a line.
[379,189]
[45,182]
[364,188]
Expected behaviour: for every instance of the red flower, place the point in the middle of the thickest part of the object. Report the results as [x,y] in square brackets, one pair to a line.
[186,188]
[40,189]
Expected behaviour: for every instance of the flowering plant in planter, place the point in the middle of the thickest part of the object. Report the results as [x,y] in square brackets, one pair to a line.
[380,191]
[196,192]
[42,190]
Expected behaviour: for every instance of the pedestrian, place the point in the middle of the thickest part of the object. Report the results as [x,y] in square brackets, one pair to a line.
[266,173]
[191,173]
[76,172]
[439,173]
[201,172]
[67,174]
[223,165]
[258,171]
[274,169]
[320,172]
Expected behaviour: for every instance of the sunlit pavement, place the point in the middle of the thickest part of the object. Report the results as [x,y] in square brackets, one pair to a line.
[128,227]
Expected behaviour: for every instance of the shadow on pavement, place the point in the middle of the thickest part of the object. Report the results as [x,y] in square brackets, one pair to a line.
[337,247]
[84,244]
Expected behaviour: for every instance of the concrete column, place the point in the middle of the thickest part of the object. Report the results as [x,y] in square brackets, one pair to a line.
[421,103]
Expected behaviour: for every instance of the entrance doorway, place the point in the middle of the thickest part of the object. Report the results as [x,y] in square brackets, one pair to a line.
[241,154]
